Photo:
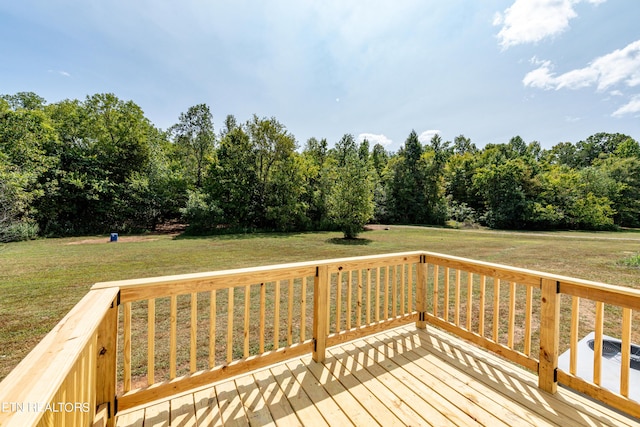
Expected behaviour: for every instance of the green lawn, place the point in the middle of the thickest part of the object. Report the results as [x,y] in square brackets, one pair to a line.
[41,280]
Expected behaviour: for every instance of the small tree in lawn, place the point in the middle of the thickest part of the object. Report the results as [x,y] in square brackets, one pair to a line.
[350,203]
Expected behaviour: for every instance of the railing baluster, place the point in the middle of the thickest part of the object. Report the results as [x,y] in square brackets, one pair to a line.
[573,344]
[394,291]
[457,299]
[527,321]
[151,340]
[247,315]
[597,348]
[469,299]
[359,296]
[173,336]
[263,316]
[481,303]
[290,313]
[276,316]
[496,308]
[349,297]
[626,352]
[194,333]
[435,289]
[127,346]
[377,312]
[402,292]
[386,293]
[421,292]
[339,302]
[328,305]
[368,296]
[230,325]
[410,288]
[446,294]
[512,313]
[303,309]
[212,329]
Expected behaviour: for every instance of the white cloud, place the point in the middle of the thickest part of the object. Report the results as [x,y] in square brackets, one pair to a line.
[62,73]
[621,66]
[530,21]
[631,107]
[427,135]
[375,139]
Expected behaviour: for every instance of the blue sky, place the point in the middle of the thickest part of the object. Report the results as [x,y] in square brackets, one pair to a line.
[547,70]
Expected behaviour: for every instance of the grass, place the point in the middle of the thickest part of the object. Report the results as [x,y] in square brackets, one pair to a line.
[632,261]
[41,280]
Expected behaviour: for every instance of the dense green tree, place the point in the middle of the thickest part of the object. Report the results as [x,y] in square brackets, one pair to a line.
[233,179]
[279,178]
[503,187]
[623,188]
[318,169]
[463,145]
[27,145]
[458,177]
[435,159]
[102,174]
[628,148]
[15,222]
[563,153]
[195,136]
[380,158]
[597,145]
[25,101]
[350,202]
[406,183]
[344,148]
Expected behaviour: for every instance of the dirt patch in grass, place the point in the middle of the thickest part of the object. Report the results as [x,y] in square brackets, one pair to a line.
[123,239]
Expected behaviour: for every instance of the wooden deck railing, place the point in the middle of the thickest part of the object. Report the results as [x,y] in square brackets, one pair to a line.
[69,377]
[176,333]
[608,309]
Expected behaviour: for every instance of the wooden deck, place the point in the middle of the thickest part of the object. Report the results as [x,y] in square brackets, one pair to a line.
[404,376]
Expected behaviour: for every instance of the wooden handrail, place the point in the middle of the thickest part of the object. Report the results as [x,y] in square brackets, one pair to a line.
[47,375]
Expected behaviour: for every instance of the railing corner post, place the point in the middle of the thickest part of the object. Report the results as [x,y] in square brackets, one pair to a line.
[549,335]
[421,292]
[320,312]
[107,340]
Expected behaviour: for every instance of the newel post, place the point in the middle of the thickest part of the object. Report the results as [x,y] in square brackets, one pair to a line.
[421,292]
[107,341]
[549,335]
[320,312]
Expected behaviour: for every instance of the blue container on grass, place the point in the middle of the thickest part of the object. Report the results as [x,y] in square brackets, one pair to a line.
[114,237]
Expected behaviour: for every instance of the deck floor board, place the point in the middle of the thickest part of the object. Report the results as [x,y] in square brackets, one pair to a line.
[403,376]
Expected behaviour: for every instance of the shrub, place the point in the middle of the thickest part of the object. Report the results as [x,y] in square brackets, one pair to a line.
[18,231]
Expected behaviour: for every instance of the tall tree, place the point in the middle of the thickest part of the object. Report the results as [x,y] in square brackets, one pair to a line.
[194,133]
[317,165]
[351,198]
[277,173]
[407,181]
[233,179]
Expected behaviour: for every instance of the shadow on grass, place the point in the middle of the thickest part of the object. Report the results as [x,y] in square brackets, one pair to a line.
[349,242]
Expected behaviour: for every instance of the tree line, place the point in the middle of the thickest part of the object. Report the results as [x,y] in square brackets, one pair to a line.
[99,165]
